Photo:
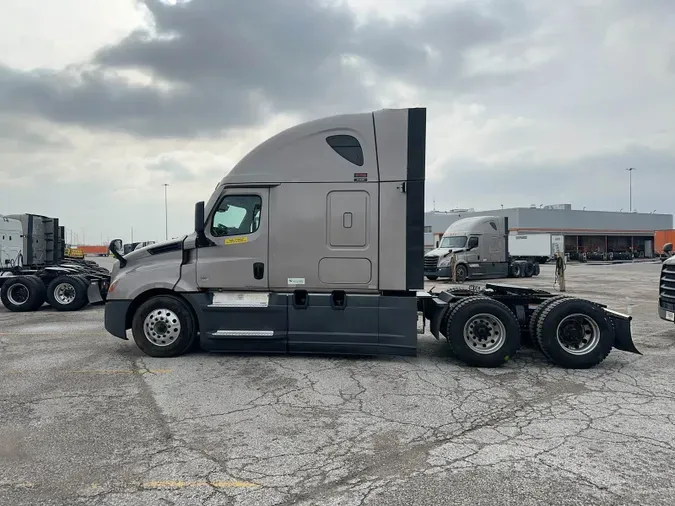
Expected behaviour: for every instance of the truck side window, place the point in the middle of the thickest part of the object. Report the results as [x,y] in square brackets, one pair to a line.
[347,147]
[473,242]
[237,215]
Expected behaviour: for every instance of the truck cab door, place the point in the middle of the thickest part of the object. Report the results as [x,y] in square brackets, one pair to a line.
[237,312]
[474,249]
[239,228]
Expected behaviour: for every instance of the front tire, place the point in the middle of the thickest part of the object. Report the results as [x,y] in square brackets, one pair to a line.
[164,326]
[432,278]
[461,273]
[574,333]
[482,332]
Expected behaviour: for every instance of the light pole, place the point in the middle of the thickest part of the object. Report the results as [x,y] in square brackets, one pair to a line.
[166,214]
[630,188]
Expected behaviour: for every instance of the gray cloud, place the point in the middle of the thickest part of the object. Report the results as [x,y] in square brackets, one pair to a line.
[231,63]
[15,135]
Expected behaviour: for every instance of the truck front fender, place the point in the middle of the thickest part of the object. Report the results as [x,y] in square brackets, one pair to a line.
[159,271]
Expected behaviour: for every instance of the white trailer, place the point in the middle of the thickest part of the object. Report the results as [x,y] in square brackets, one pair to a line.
[535,247]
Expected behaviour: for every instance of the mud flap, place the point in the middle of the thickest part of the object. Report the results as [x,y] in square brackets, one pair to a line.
[94,293]
[623,338]
[434,311]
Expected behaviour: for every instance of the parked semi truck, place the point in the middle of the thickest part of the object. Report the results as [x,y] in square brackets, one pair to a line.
[313,243]
[480,249]
[34,267]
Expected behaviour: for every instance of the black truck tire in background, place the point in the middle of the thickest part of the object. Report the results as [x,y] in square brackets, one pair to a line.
[461,273]
[529,269]
[574,333]
[23,293]
[482,332]
[537,269]
[516,270]
[67,293]
[164,326]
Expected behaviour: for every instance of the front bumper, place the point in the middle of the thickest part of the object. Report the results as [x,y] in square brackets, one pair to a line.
[115,317]
[441,272]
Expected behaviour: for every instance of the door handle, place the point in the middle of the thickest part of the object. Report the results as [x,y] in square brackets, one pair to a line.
[258,270]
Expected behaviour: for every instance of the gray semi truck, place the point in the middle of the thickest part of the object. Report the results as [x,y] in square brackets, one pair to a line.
[34,267]
[480,248]
[313,243]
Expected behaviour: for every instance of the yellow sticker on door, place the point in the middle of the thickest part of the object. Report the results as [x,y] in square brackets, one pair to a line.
[236,240]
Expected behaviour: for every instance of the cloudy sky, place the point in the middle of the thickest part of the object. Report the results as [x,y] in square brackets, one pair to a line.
[529,101]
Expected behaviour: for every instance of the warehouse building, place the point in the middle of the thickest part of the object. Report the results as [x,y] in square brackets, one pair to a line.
[590,232]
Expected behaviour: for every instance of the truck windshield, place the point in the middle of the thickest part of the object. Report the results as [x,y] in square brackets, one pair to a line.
[455,241]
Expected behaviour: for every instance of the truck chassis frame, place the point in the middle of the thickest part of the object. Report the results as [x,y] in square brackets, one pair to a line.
[571,332]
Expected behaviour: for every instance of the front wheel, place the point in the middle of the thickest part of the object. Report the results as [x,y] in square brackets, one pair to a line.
[164,326]
[574,333]
[461,273]
[482,332]
[432,278]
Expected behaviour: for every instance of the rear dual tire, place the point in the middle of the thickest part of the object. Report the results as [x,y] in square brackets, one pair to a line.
[68,293]
[481,331]
[572,333]
[23,294]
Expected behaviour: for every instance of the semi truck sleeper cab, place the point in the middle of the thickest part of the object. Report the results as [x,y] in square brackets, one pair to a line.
[314,243]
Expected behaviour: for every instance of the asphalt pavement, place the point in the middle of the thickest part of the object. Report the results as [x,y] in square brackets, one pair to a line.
[86,418]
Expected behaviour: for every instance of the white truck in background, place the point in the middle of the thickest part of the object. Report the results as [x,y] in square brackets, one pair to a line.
[536,247]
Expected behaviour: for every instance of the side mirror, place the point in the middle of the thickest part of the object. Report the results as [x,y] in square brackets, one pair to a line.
[202,240]
[116,245]
[199,218]
[115,248]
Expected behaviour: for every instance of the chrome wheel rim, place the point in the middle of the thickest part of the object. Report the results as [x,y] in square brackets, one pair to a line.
[578,334]
[484,333]
[162,327]
[64,293]
[18,294]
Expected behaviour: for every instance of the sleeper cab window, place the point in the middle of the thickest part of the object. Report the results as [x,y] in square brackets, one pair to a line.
[348,147]
[237,215]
